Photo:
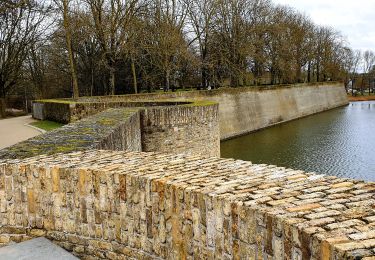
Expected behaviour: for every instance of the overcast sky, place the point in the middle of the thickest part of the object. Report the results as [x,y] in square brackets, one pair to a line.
[355,19]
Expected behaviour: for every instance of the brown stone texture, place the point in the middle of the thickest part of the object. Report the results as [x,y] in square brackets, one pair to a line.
[190,129]
[180,129]
[135,205]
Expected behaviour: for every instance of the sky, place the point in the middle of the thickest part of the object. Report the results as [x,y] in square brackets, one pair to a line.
[355,19]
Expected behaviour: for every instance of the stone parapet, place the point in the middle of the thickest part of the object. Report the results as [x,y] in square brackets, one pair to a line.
[181,129]
[115,205]
[114,129]
[191,128]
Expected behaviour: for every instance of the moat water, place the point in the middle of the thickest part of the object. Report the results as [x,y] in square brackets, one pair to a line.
[338,142]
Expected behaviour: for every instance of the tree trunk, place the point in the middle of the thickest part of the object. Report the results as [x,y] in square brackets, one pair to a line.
[309,72]
[92,81]
[167,80]
[112,80]
[134,77]
[353,83]
[68,39]
[204,78]
[2,108]
[369,87]
[298,75]
[272,71]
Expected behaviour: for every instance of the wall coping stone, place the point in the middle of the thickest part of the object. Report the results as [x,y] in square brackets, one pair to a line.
[85,134]
[315,216]
[165,96]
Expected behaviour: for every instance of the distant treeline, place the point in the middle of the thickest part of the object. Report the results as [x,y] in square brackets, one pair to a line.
[69,48]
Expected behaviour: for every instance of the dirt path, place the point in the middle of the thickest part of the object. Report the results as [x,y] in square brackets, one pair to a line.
[14,130]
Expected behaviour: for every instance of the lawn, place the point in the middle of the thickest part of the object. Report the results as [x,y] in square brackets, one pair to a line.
[47,125]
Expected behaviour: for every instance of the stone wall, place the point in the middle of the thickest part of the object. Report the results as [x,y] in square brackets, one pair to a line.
[115,205]
[241,110]
[244,110]
[189,128]
[114,129]
[68,111]
[182,129]
[252,111]
[59,112]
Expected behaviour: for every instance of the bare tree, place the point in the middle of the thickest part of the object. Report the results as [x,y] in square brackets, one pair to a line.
[368,65]
[20,28]
[111,20]
[166,44]
[7,5]
[201,16]
[146,44]
[64,7]
[37,67]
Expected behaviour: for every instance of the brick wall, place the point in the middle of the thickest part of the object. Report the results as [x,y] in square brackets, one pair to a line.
[119,205]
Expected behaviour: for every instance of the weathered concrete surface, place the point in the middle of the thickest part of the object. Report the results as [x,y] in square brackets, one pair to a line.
[251,111]
[35,249]
[157,206]
[14,130]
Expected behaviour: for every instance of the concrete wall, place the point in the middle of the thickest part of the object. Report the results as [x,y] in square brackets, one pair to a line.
[116,205]
[38,111]
[241,110]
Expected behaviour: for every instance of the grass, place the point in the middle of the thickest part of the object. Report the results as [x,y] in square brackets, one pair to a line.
[47,125]
[365,97]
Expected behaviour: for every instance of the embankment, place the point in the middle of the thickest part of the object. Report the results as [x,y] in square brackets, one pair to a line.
[241,110]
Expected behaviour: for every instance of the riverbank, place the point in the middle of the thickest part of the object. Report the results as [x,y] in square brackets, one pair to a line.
[334,142]
[361,98]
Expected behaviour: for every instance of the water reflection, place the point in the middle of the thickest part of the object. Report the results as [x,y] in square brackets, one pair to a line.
[338,142]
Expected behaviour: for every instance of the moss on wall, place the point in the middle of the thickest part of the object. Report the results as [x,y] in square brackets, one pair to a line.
[82,135]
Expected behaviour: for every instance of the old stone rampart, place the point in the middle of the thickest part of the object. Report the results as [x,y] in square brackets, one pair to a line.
[191,128]
[114,129]
[184,202]
[116,205]
[241,110]
[181,129]
[67,111]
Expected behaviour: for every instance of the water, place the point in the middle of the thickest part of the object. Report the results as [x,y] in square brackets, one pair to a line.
[338,142]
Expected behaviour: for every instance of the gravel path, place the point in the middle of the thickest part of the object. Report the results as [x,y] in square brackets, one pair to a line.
[14,130]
